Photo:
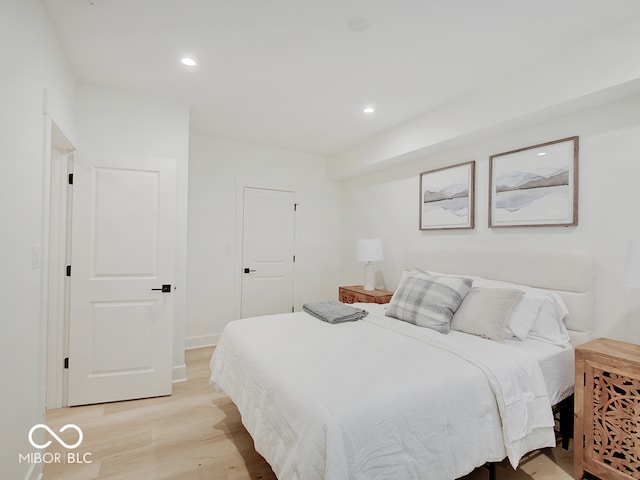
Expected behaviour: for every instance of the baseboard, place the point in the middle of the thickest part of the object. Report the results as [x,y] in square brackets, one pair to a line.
[202,341]
[179,373]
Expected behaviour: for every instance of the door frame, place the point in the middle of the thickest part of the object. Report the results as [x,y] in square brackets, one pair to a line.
[58,158]
[284,185]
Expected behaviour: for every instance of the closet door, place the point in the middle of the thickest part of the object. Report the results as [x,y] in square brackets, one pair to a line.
[267,251]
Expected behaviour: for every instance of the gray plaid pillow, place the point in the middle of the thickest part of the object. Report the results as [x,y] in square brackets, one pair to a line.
[428,300]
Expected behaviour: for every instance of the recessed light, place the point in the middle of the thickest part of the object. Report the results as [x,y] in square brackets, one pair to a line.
[542,153]
[368,110]
[188,62]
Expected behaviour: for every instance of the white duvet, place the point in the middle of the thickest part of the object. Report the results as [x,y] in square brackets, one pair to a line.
[379,398]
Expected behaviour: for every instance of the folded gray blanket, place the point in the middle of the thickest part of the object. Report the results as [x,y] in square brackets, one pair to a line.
[332,311]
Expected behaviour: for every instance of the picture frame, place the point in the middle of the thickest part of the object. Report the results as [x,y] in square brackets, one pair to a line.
[447,197]
[535,186]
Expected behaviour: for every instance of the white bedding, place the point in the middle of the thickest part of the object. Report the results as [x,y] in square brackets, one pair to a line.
[372,399]
[556,362]
[557,367]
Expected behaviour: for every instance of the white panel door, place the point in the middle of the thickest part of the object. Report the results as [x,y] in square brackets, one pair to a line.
[123,250]
[267,251]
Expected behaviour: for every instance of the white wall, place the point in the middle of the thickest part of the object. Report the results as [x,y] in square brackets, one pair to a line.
[215,169]
[32,62]
[386,204]
[117,122]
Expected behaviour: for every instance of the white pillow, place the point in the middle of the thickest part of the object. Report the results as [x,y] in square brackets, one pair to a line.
[539,314]
[547,327]
[523,315]
[540,310]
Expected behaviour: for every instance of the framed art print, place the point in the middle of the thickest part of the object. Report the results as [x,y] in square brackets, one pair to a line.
[447,197]
[535,186]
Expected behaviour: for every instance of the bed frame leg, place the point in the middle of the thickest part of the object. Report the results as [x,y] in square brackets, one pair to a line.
[565,413]
[491,466]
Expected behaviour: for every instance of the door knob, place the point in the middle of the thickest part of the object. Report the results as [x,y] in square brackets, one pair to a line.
[248,270]
[166,288]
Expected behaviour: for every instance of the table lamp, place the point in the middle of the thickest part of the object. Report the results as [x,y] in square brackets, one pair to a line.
[369,250]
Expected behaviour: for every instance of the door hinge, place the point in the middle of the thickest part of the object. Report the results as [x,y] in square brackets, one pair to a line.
[71,179]
[294,259]
[66,362]
[293,309]
[295,207]
[68,270]
[584,379]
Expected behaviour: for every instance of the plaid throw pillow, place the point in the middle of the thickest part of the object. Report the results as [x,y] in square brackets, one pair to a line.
[428,300]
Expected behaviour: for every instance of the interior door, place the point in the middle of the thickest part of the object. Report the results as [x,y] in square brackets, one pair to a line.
[267,251]
[123,252]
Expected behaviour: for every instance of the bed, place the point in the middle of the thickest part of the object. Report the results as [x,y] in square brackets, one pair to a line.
[382,398]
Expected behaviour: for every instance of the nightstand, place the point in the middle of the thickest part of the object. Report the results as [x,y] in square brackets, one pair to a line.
[607,410]
[356,293]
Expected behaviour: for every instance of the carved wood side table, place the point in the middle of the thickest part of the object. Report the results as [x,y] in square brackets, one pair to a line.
[607,410]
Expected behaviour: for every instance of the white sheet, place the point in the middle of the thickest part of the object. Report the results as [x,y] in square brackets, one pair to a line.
[557,367]
[370,400]
[556,362]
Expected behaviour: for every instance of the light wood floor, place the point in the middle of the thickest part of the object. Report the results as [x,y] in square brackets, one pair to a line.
[196,434]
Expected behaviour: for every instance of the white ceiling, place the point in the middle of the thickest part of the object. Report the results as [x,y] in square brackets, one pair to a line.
[296,74]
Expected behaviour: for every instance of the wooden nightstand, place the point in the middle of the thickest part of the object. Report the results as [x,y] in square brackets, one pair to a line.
[607,410]
[356,293]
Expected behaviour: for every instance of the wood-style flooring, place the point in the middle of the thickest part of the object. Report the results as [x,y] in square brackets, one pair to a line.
[196,434]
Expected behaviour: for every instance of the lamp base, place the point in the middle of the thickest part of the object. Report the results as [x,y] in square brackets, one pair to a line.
[369,277]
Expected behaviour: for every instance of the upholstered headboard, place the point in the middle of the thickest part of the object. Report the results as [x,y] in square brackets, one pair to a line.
[569,274]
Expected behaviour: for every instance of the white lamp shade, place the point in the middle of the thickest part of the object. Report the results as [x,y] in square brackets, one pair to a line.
[369,250]
[631,276]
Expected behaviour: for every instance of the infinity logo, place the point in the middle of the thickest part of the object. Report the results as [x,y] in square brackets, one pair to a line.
[53,434]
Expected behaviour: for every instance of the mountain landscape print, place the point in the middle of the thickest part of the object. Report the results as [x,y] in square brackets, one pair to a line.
[453,198]
[535,185]
[447,197]
[516,190]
